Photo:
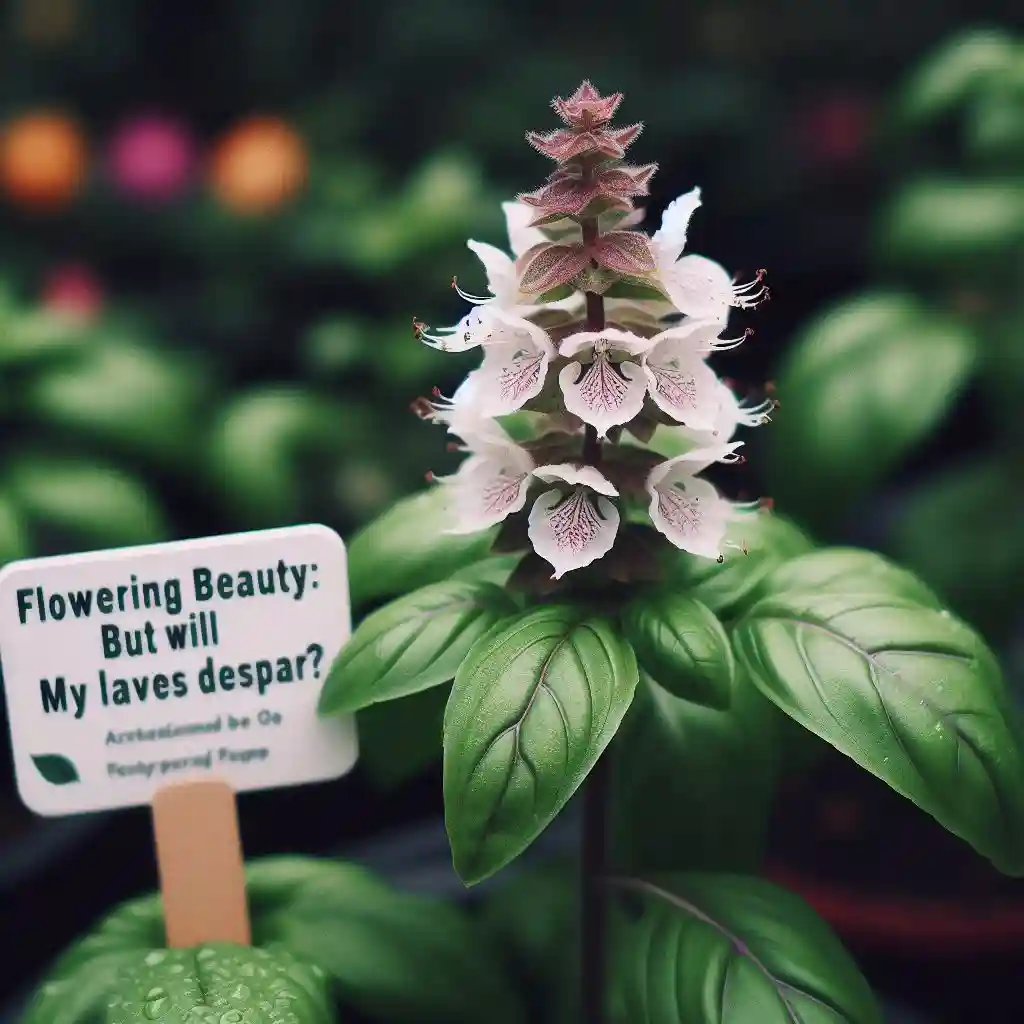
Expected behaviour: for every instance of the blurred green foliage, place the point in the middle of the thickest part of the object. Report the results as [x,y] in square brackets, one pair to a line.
[874,377]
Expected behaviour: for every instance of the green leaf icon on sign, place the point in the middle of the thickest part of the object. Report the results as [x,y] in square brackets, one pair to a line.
[55,768]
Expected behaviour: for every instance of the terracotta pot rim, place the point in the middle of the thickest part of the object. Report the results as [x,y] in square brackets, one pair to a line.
[893,923]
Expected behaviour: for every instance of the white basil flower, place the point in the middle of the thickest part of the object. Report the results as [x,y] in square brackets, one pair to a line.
[603,386]
[688,510]
[491,483]
[573,524]
[697,286]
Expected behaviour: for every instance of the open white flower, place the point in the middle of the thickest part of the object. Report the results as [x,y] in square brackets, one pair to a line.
[731,414]
[517,354]
[679,380]
[688,510]
[517,221]
[697,286]
[500,268]
[491,483]
[573,524]
[603,387]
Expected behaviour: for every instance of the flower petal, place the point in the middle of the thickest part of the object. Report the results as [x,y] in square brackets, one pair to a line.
[670,239]
[692,462]
[691,514]
[699,287]
[603,394]
[500,268]
[520,235]
[612,337]
[682,385]
[489,486]
[572,530]
[569,473]
[512,373]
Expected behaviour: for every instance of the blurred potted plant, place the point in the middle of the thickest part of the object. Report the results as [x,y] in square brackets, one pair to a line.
[859,450]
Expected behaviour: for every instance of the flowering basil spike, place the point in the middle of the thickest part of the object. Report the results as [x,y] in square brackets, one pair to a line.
[592,332]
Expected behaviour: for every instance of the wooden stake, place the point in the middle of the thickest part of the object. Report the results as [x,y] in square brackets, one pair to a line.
[202,871]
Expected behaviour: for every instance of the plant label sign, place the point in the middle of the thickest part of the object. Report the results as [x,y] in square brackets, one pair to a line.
[126,671]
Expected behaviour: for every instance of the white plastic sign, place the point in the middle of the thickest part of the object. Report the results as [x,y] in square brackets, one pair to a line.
[128,670]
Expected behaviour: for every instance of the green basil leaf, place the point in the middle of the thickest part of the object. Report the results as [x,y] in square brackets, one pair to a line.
[72,505]
[257,447]
[716,767]
[980,579]
[533,706]
[210,982]
[681,644]
[907,691]
[407,548]
[122,394]
[849,570]
[412,644]
[390,955]
[755,546]
[953,74]
[496,570]
[947,224]
[861,386]
[727,949]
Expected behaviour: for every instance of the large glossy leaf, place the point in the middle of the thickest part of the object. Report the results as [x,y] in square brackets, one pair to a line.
[848,570]
[862,385]
[681,644]
[980,579]
[678,763]
[412,644]
[407,547]
[907,691]
[727,949]
[218,982]
[948,224]
[953,74]
[533,706]
[393,956]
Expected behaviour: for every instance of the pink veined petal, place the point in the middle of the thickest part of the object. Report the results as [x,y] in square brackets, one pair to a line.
[511,374]
[670,239]
[488,487]
[603,394]
[682,385]
[570,473]
[570,531]
[691,514]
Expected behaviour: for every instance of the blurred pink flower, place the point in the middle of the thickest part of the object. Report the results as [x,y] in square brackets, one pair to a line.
[152,158]
[73,290]
[834,129]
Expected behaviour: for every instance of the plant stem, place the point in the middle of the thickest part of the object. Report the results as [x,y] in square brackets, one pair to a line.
[593,897]
[596,788]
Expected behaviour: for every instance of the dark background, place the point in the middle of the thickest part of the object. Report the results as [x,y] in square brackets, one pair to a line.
[278,360]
